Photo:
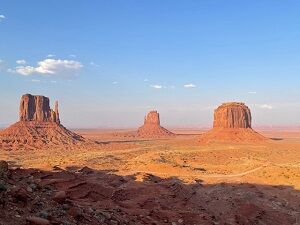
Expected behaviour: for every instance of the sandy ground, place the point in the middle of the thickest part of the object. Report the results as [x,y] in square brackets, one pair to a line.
[276,162]
[118,179]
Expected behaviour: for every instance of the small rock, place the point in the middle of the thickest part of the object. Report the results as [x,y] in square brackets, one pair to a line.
[114,222]
[33,220]
[43,214]
[60,196]
[29,189]
[33,186]
[74,212]
[20,194]
[180,221]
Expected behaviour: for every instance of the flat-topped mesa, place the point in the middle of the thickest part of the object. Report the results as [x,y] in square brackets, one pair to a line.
[37,108]
[232,115]
[152,128]
[232,123]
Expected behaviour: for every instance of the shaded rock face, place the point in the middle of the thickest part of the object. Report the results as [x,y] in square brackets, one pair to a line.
[37,108]
[232,115]
[152,128]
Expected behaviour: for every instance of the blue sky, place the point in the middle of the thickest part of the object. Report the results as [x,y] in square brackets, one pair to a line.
[109,62]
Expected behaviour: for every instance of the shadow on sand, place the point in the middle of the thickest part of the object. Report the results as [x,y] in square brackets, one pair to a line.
[100,197]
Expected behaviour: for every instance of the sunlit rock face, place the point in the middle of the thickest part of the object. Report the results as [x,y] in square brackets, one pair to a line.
[37,108]
[232,115]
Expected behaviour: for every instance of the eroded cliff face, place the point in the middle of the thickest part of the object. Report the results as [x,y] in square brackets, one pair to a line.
[232,115]
[232,123]
[37,108]
[39,127]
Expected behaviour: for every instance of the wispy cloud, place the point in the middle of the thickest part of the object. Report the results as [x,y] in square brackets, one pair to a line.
[49,67]
[157,86]
[189,85]
[252,92]
[2,17]
[21,61]
[146,80]
[35,81]
[50,56]
[266,106]
[115,82]
[73,56]
[94,64]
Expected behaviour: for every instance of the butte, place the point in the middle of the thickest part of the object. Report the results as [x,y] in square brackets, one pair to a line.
[152,127]
[38,126]
[232,123]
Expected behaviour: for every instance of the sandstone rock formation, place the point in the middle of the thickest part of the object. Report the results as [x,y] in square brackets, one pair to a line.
[232,123]
[37,108]
[232,115]
[152,128]
[39,126]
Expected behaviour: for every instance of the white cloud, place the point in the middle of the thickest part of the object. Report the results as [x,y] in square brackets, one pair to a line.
[189,85]
[2,17]
[50,56]
[53,81]
[73,56]
[35,80]
[115,82]
[21,61]
[266,106]
[252,92]
[50,67]
[146,80]
[157,86]
[24,70]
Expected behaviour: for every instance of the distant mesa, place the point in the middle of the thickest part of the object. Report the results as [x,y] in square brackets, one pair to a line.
[152,127]
[232,123]
[38,126]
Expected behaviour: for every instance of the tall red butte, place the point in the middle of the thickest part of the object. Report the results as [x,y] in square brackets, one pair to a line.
[152,127]
[232,123]
[38,126]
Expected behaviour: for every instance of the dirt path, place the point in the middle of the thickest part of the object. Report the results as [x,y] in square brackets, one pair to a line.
[201,176]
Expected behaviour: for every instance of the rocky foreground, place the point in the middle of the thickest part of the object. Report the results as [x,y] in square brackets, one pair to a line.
[86,196]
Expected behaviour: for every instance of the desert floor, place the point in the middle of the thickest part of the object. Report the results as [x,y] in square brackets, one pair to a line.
[276,162]
[175,181]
